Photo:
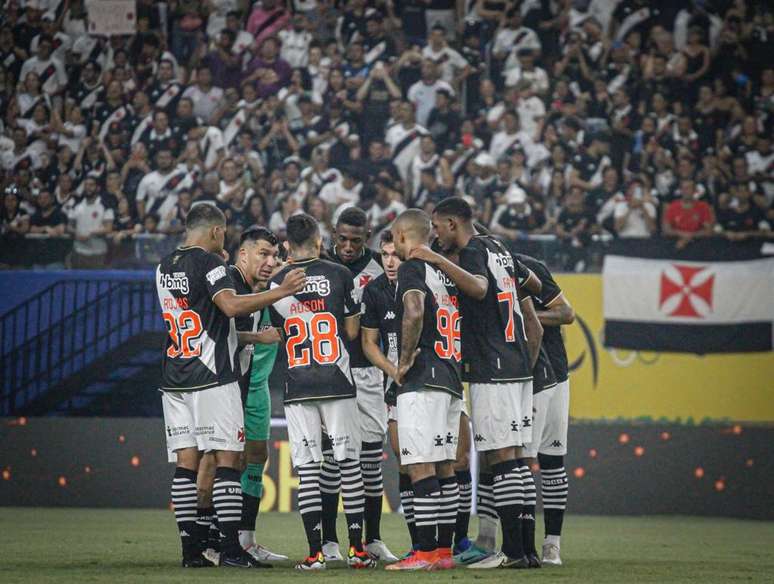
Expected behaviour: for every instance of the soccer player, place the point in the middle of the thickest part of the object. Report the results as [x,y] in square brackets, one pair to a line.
[319,388]
[551,409]
[200,393]
[256,260]
[498,357]
[429,399]
[350,250]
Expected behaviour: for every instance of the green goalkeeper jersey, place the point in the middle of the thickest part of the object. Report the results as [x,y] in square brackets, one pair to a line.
[263,355]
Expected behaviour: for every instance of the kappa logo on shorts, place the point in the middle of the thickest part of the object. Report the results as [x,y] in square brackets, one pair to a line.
[514,426]
[405,452]
[241,435]
[556,444]
[479,438]
[438,440]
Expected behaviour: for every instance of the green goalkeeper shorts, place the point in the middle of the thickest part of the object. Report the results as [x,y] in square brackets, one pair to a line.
[258,412]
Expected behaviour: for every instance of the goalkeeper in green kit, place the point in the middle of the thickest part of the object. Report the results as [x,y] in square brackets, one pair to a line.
[257,260]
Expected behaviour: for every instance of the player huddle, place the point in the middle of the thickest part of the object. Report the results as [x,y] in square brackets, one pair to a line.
[365,345]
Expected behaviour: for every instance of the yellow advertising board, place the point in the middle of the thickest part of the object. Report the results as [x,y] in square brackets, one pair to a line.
[612,384]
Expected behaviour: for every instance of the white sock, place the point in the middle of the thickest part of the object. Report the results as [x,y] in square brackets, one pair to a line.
[552,539]
[487,533]
[246,538]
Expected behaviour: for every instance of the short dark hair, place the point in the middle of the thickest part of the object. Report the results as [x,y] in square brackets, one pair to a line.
[301,229]
[385,237]
[204,215]
[454,207]
[258,233]
[354,216]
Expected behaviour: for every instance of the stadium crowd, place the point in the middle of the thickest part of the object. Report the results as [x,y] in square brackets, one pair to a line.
[565,119]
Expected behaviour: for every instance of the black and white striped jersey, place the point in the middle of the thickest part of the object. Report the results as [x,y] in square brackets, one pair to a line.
[312,324]
[380,312]
[200,349]
[437,366]
[364,270]
[494,343]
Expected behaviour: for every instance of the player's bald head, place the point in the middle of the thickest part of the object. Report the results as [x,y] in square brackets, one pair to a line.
[414,225]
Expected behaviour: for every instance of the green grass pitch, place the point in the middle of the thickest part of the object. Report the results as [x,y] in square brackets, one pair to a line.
[39,545]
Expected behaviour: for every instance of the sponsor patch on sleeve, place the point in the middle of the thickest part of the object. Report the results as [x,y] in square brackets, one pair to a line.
[216,274]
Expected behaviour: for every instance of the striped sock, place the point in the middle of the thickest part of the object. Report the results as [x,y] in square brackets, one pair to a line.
[487,515]
[528,511]
[204,519]
[371,467]
[463,512]
[310,504]
[354,500]
[554,488]
[184,501]
[447,510]
[427,497]
[330,485]
[407,502]
[509,498]
[227,500]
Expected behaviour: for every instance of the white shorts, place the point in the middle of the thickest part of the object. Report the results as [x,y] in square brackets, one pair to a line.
[551,412]
[392,413]
[428,426]
[305,429]
[210,419]
[502,414]
[369,382]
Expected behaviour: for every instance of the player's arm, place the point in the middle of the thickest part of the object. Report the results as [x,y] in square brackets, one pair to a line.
[474,286]
[411,329]
[532,328]
[558,312]
[369,340]
[352,326]
[233,304]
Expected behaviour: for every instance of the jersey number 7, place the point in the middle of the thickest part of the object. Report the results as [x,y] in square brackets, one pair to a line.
[324,333]
[184,330]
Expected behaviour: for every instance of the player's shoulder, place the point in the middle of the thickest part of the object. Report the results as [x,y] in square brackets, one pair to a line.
[532,263]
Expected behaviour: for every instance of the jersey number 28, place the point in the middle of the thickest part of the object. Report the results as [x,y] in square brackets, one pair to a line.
[324,334]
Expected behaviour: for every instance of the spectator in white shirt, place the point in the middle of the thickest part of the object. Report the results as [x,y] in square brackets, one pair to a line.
[635,215]
[295,42]
[342,193]
[453,66]
[513,37]
[526,69]
[422,93]
[90,221]
[51,72]
[206,98]
[510,136]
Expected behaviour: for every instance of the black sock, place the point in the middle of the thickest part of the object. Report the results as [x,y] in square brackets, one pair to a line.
[204,518]
[553,491]
[371,467]
[227,500]
[427,498]
[250,506]
[447,510]
[407,502]
[330,485]
[528,510]
[463,512]
[509,498]
[184,500]
[310,504]
[354,500]
[213,535]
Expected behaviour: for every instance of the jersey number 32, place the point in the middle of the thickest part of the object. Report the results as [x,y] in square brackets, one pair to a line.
[185,329]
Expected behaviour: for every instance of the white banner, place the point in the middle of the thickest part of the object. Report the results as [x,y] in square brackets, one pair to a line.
[687,292]
[112,17]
